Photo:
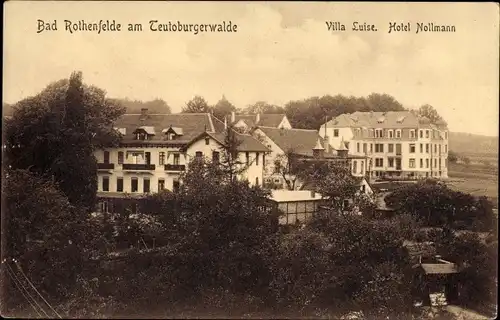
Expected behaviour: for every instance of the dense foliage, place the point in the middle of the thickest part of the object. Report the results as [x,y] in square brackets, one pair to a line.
[437,205]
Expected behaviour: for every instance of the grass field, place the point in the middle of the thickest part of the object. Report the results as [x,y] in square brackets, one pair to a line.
[476,179]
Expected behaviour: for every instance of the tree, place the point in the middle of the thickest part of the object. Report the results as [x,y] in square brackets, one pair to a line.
[55,133]
[43,231]
[438,206]
[429,112]
[223,108]
[452,157]
[383,102]
[263,107]
[196,105]
[285,166]
[154,106]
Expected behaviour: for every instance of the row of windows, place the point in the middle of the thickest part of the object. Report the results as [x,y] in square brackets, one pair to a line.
[379,163]
[138,157]
[379,148]
[134,184]
[395,133]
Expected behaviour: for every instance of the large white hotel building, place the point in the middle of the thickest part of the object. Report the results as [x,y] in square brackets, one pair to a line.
[397,144]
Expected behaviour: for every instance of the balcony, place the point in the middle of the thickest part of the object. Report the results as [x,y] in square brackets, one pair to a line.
[175,167]
[136,166]
[105,166]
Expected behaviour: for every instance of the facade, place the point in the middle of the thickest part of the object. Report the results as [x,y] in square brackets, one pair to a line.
[246,122]
[302,144]
[156,148]
[398,144]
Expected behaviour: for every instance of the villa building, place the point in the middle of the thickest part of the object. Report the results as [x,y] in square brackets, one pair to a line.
[397,144]
[156,148]
[246,122]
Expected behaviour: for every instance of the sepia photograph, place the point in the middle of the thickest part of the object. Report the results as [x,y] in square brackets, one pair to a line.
[250,160]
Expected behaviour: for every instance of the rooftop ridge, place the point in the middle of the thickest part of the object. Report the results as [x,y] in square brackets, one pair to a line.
[293,129]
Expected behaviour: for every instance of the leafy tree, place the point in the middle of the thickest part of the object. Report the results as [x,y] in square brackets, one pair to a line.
[383,102]
[465,160]
[263,107]
[154,106]
[452,157]
[196,105]
[439,206]
[223,108]
[55,133]
[285,165]
[44,232]
[429,112]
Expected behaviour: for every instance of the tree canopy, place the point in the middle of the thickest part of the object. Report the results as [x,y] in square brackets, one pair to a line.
[223,108]
[134,106]
[196,105]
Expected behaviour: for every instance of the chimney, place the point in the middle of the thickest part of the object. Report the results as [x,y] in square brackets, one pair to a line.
[144,113]
[233,117]
[257,118]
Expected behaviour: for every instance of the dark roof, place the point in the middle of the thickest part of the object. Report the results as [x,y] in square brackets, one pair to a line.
[266,119]
[300,141]
[439,268]
[270,119]
[192,124]
[248,143]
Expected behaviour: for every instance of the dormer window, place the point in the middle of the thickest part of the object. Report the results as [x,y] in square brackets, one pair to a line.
[144,133]
[171,133]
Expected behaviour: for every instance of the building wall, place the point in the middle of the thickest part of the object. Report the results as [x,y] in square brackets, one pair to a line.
[285,123]
[344,134]
[127,175]
[255,171]
[428,161]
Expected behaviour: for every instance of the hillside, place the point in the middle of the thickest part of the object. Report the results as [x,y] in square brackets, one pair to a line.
[474,145]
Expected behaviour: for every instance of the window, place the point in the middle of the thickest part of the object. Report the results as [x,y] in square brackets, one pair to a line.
[161,185]
[358,149]
[215,157]
[364,147]
[106,156]
[134,185]
[412,134]
[176,159]
[256,181]
[362,167]
[379,133]
[247,155]
[120,157]
[207,141]
[439,161]
[257,158]
[105,183]
[354,166]
[445,148]
[435,162]
[391,148]
[398,133]
[335,132]
[446,135]
[371,147]
[161,158]
[264,160]
[175,186]
[198,154]
[412,163]
[421,133]
[146,185]
[427,163]
[391,162]
[427,148]
[421,163]
[379,147]
[148,157]
[379,162]
[391,133]
[412,148]
[427,134]
[435,148]
[119,184]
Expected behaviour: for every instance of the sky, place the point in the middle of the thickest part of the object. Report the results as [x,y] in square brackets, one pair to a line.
[281,51]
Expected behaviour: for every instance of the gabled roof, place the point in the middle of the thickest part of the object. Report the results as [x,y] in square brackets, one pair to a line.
[266,119]
[389,119]
[192,124]
[299,141]
[248,143]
